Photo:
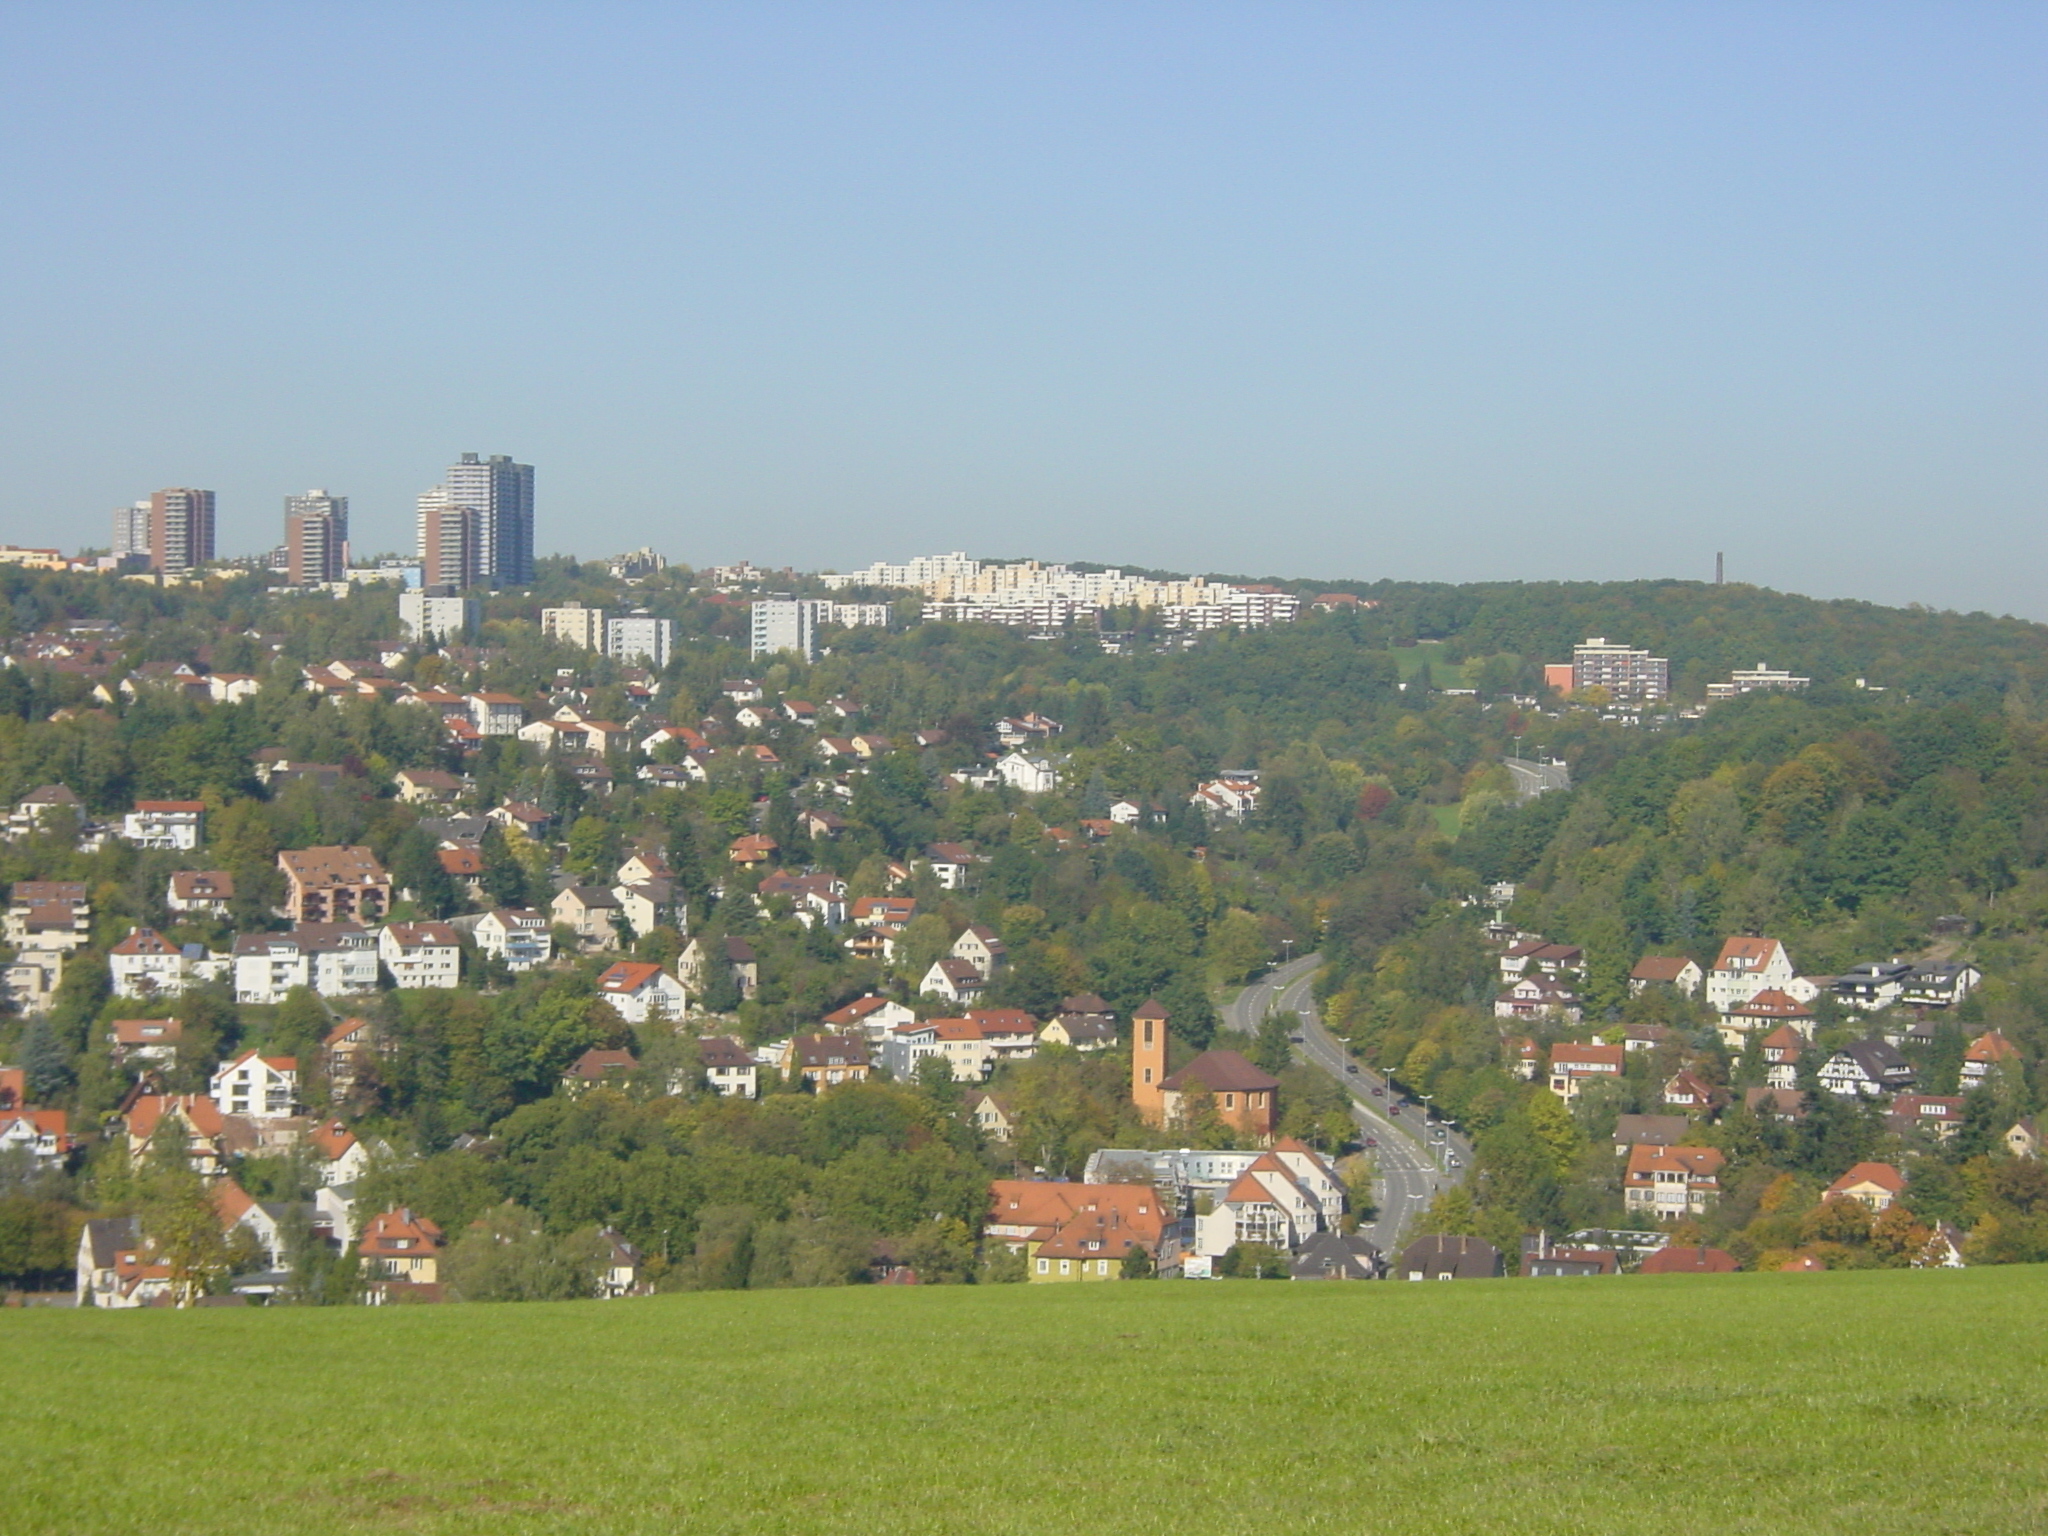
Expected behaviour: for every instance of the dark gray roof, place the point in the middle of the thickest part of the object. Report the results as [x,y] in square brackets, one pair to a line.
[1333,1256]
[1465,1258]
[111,1235]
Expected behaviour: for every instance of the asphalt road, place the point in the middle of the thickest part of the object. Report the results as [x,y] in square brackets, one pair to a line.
[1533,779]
[1411,1172]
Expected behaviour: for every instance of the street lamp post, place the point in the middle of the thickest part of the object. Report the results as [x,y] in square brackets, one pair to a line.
[1286,951]
[1431,1132]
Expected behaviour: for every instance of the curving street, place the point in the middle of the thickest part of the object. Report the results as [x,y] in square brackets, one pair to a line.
[1410,1171]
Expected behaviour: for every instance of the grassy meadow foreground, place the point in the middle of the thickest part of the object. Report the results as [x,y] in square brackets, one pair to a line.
[1863,1401]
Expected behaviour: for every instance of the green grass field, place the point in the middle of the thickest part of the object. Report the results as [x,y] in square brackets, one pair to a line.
[1895,1401]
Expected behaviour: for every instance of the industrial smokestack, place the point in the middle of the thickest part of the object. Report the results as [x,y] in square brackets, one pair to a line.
[1720,567]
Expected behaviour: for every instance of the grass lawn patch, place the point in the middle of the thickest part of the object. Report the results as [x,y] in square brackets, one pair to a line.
[1894,1401]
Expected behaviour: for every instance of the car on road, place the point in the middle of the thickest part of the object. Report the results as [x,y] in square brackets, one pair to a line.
[1351,1067]
[1295,1039]
[1455,1163]
[1371,1142]
[1378,1092]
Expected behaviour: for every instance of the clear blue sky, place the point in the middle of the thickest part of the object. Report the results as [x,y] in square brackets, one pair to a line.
[1447,291]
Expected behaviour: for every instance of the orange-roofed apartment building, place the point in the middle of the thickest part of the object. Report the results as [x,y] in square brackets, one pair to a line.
[329,885]
[1080,1231]
[192,1117]
[1670,1183]
[1762,1013]
[1747,965]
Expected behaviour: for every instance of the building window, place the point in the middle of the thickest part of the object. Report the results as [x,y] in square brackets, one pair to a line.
[1045,1266]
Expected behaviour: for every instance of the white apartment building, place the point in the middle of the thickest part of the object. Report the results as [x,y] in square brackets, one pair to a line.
[1028,594]
[145,964]
[1627,674]
[1762,678]
[518,936]
[789,624]
[168,825]
[435,618]
[636,637]
[260,1087]
[574,624]
[420,955]
[334,959]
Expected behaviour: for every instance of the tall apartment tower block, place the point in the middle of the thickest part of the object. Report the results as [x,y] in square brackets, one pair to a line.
[131,529]
[316,538]
[450,536]
[476,527]
[180,530]
[789,624]
[1625,674]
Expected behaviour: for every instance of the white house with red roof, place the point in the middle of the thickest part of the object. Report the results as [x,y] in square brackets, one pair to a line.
[42,1134]
[258,1087]
[1267,1203]
[342,1159]
[639,991]
[1782,1048]
[1573,1065]
[237,1209]
[1011,1034]
[875,1015]
[1989,1053]
[421,955]
[1747,965]
[145,964]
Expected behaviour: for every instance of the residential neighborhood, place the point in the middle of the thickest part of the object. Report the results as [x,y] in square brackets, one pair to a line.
[687,897]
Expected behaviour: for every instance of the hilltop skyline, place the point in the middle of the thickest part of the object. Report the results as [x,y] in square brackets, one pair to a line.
[1515,291]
